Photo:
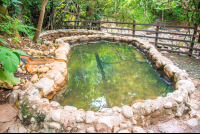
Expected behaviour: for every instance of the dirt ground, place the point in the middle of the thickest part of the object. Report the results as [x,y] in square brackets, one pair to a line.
[184,62]
[22,45]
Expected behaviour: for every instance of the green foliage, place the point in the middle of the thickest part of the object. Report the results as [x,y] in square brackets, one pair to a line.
[3,41]
[15,39]
[10,60]
[9,77]
[6,3]
[11,24]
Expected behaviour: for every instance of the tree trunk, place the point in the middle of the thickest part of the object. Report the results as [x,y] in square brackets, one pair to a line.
[39,26]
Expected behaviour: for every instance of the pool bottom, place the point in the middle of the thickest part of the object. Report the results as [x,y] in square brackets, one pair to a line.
[104,75]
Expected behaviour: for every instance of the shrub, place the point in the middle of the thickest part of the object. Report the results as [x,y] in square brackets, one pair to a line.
[9,62]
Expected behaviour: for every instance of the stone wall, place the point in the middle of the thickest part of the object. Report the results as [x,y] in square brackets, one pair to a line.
[40,115]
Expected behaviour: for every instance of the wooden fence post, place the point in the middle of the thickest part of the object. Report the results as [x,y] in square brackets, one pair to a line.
[133,28]
[193,39]
[157,30]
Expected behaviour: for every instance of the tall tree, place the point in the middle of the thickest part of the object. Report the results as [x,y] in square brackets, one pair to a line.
[40,22]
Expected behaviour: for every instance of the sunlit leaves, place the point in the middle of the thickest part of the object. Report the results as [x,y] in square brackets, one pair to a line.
[9,77]
[10,60]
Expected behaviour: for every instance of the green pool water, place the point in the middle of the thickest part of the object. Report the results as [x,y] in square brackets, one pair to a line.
[104,75]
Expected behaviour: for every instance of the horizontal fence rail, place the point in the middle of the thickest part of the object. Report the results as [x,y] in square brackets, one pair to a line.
[96,25]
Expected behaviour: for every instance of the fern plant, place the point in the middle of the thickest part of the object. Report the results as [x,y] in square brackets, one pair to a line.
[11,24]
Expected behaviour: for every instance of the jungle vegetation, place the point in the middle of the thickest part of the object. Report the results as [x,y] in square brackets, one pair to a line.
[26,17]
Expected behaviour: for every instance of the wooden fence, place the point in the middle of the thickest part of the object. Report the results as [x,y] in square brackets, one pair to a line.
[98,26]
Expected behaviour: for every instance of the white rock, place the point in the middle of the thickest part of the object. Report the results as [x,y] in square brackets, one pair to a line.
[109,111]
[13,96]
[116,129]
[103,110]
[156,56]
[21,95]
[179,99]
[181,75]
[134,122]
[43,70]
[33,92]
[127,111]
[90,130]
[58,75]
[116,109]
[107,122]
[56,115]
[62,70]
[33,98]
[34,78]
[54,125]
[192,122]
[62,51]
[123,131]
[39,85]
[13,129]
[79,118]
[168,105]
[51,75]
[178,114]
[19,70]
[44,100]
[147,111]
[153,51]
[70,108]
[185,85]
[81,131]
[54,103]
[138,130]
[90,116]
[48,86]
[22,129]
[32,119]
[123,126]
[170,70]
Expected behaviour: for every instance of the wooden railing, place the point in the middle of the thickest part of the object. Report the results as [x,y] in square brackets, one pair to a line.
[98,26]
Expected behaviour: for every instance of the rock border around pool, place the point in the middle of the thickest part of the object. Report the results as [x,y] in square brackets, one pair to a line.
[40,115]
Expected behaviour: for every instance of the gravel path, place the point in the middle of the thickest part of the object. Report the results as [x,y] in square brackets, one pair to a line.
[184,62]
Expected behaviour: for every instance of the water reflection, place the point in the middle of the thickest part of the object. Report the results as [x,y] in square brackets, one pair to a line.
[109,74]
